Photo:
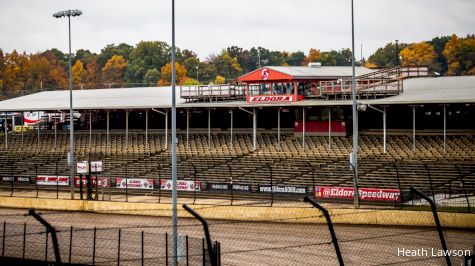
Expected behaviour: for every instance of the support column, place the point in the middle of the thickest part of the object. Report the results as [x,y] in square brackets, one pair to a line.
[107,130]
[39,123]
[209,128]
[413,128]
[55,131]
[232,123]
[166,129]
[5,124]
[384,128]
[127,129]
[22,125]
[303,128]
[254,130]
[278,127]
[187,127]
[146,129]
[445,128]
[90,128]
[329,129]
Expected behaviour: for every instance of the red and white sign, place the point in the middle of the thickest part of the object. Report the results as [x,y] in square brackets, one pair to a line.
[272,98]
[48,180]
[103,181]
[181,185]
[363,193]
[265,73]
[134,183]
[82,167]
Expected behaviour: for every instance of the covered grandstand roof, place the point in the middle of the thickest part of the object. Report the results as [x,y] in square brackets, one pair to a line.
[303,72]
[416,91]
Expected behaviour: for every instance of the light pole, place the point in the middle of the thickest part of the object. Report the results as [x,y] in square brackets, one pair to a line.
[174,162]
[69,14]
[197,67]
[354,157]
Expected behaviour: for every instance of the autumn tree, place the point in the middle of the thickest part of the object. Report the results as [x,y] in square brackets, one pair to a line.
[145,56]
[460,54]
[114,70]
[78,73]
[314,55]
[93,75]
[219,79]
[420,54]
[110,50]
[166,74]
[226,65]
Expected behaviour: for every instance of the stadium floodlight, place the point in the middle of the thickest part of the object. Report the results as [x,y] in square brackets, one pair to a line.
[69,14]
[354,114]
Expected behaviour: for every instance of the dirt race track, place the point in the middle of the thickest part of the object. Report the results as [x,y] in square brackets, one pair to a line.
[242,243]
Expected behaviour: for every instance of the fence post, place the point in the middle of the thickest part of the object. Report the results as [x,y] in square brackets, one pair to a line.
[463,186]
[330,227]
[271,186]
[94,247]
[187,251]
[70,243]
[126,184]
[118,249]
[57,181]
[159,182]
[231,182]
[166,249]
[398,183]
[36,176]
[206,230]
[142,247]
[312,191]
[54,238]
[24,240]
[194,175]
[437,222]
[430,181]
[46,246]
[3,238]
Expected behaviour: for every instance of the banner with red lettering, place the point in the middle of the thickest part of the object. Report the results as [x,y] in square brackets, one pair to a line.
[48,180]
[270,98]
[375,194]
[134,183]
[181,185]
[103,181]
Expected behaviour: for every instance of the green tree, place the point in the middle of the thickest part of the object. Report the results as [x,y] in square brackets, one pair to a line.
[439,45]
[151,77]
[386,56]
[107,52]
[296,58]
[191,81]
[145,56]
[226,65]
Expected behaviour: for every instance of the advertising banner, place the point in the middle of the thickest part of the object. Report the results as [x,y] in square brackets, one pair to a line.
[271,99]
[182,185]
[15,179]
[282,189]
[47,180]
[103,181]
[96,166]
[134,183]
[82,167]
[227,187]
[375,194]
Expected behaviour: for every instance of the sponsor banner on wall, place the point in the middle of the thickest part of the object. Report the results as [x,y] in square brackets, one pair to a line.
[282,189]
[16,179]
[227,187]
[181,185]
[134,183]
[103,181]
[364,193]
[48,180]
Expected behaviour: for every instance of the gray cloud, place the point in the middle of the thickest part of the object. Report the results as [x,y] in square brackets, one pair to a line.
[207,26]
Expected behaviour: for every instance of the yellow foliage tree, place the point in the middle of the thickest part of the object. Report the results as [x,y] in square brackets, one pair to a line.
[460,54]
[219,80]
[114,70]
[166,77]
[314,55]
[78,73]
[418,54]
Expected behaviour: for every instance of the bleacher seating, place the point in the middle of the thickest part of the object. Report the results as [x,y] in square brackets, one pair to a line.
[211,159]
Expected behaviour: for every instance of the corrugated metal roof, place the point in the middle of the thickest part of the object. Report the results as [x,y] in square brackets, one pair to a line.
[416,91]
[321,72]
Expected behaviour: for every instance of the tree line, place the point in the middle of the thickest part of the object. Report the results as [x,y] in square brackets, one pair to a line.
[148,64]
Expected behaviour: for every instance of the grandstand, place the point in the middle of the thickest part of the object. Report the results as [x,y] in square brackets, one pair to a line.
[430,140]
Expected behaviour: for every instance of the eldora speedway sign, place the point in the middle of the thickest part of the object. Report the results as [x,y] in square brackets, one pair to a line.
[374,194]
[271,99]
[181,185]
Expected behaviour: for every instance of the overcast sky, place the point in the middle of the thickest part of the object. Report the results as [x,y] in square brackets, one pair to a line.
[207,26]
